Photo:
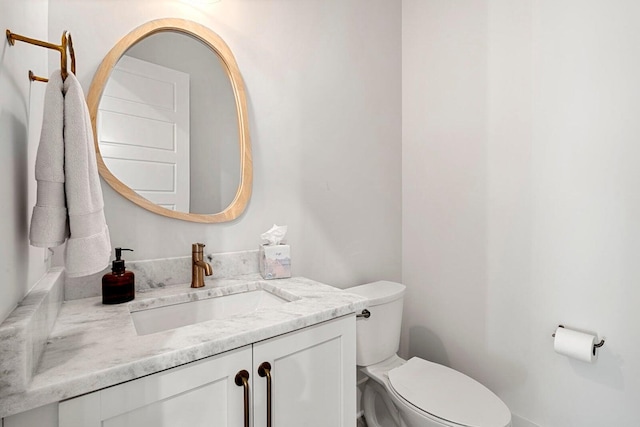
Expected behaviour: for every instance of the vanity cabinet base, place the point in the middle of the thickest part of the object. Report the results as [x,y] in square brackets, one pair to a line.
[313,383]
[44,416]
[198,394]
[313,375]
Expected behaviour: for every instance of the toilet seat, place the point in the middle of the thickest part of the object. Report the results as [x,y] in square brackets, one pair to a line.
[439,391]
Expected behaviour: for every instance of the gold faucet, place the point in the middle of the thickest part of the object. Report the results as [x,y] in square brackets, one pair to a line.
[198,266]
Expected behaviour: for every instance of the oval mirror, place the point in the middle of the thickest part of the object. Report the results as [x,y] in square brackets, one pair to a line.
[170,122]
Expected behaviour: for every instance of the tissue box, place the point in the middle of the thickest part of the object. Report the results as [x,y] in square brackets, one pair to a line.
[275,261]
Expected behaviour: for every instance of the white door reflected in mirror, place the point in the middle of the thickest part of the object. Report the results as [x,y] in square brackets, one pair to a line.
[143,131]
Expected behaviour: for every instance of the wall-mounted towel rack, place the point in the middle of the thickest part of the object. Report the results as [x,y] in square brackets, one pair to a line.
[65,44]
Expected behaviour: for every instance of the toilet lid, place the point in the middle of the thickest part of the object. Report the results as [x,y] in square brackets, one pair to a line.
[448,394]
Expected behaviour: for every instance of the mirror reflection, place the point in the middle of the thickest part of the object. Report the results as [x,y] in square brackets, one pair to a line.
[170,120]
[167,124]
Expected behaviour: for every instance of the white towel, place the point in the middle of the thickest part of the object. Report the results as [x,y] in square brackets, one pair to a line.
[69,203]
[49,225]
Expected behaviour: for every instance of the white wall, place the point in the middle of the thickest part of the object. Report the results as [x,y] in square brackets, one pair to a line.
[324,95]
[20,118]
[520,199]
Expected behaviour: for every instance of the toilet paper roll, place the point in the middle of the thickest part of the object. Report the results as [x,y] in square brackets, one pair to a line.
[577,345]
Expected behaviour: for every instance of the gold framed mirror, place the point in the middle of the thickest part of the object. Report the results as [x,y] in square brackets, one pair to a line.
[143,125]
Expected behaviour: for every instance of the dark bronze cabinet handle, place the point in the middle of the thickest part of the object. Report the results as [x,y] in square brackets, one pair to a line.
[264,370]
[365,313]
[242,379]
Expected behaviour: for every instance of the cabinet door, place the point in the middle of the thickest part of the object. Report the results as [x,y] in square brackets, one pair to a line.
[198,394]
[313,374]
[44,416]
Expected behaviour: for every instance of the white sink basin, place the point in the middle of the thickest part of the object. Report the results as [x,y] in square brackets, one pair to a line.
[152,320]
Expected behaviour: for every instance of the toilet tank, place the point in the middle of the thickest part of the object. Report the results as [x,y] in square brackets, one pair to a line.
[378,337]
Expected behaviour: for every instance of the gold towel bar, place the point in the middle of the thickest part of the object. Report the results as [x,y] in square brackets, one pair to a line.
[65,44]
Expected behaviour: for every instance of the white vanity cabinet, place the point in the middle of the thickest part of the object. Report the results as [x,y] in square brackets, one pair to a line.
[313,377]
[198,394]
[312,373]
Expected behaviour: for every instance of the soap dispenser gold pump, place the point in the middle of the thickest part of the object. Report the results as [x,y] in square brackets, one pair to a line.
[119,285]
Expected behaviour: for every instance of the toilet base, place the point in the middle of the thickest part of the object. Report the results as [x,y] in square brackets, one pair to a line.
[378,404]
[384,407]
[379,411]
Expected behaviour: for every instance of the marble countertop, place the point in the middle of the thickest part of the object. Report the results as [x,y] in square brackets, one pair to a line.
[93,346]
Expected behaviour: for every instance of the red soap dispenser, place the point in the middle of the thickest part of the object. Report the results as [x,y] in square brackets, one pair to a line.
[119,285]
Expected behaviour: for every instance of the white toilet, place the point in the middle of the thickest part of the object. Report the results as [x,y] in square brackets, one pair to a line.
[414,393]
